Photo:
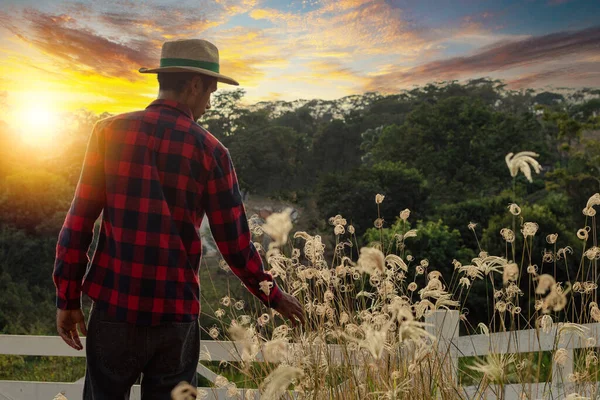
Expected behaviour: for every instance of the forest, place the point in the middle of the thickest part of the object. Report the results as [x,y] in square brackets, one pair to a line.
[438,150]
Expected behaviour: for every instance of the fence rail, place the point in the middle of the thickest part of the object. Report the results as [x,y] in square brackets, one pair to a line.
[443,324]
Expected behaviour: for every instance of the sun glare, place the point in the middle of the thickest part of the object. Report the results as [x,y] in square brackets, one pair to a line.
[38,126]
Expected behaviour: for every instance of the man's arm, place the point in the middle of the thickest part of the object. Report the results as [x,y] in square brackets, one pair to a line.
[229,225]
[77,231]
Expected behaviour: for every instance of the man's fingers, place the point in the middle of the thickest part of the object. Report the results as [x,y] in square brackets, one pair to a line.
[76,339]
[82,328]
[67,339]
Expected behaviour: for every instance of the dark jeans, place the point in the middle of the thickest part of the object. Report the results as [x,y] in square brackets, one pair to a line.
[118,353]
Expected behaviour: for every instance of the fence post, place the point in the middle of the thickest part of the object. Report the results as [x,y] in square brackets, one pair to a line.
[444,326]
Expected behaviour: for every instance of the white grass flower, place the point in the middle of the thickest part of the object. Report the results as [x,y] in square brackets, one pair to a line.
[232,390]
[344,317]
[378,223]
[583,233]
[507,234]
[545,283]
[465,282]
[532,269]
[371,260]
[214,332]
[547,257]
[278,226]
[205,354]
[278,381]
[263,319]
[523,161]
[280,332]
[555,301]
[351,229]
[393,261]
[275,351]
[510,273]
[379,198]
[565,328]
[265,287]
[551,239]
[562,252]
[226,301]
[472,271]
[424,263]
[201,395]
[530,229]
[514,209]
[224,266]
[501,306]
[239,305]
[488,264]
[513,290]
[405,214]
[561,356]
[339,230]
[494,367]
[183,391]
[472,226]
[221,381]
[589,208]
[338,220]
[483,328]
[593,253]
[595,313]
[219,313]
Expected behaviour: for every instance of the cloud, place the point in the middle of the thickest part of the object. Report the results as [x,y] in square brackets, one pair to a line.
[569,75]
[82,49]
[500,56]
[348,26]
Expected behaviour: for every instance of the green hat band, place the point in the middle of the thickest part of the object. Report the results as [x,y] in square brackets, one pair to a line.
[184,62]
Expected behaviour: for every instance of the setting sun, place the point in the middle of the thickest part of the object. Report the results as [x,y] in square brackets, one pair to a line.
[38,126]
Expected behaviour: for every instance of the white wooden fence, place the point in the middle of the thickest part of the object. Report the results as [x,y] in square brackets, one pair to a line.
[444,325]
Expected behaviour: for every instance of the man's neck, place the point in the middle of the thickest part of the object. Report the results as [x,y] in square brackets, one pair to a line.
[163,95]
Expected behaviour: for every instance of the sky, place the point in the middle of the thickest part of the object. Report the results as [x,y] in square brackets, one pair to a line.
[58,56]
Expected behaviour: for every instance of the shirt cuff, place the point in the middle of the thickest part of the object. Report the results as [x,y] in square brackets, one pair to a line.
[274,296]
[71,304]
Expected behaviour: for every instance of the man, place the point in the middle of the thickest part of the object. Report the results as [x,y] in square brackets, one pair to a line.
[154,174]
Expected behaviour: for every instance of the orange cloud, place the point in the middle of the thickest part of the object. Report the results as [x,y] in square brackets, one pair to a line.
[501,56]
[81,49]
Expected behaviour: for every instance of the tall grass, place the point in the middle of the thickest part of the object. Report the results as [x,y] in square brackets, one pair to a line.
[366,335]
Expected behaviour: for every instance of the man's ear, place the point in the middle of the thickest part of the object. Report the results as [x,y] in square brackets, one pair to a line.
[197,84]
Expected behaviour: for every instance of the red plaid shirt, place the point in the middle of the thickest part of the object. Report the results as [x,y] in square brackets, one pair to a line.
[153,174]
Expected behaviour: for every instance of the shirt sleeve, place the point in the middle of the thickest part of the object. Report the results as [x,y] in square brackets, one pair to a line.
[229,225]
[77,232]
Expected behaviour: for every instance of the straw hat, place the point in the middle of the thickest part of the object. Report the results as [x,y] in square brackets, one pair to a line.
[190,55]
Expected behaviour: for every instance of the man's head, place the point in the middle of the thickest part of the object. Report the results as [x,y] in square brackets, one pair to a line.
[190,88]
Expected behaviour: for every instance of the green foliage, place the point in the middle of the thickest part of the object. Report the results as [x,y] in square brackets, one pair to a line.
[353,193]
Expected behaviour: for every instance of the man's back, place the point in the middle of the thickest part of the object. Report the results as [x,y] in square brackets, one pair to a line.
[155,173]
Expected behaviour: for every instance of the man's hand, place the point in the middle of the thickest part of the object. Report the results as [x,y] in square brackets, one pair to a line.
[67,322]
[291,309]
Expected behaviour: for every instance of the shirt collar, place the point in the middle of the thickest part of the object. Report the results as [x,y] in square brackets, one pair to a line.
[174,105]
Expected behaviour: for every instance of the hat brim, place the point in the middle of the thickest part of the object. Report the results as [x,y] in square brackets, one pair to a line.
[220,78]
